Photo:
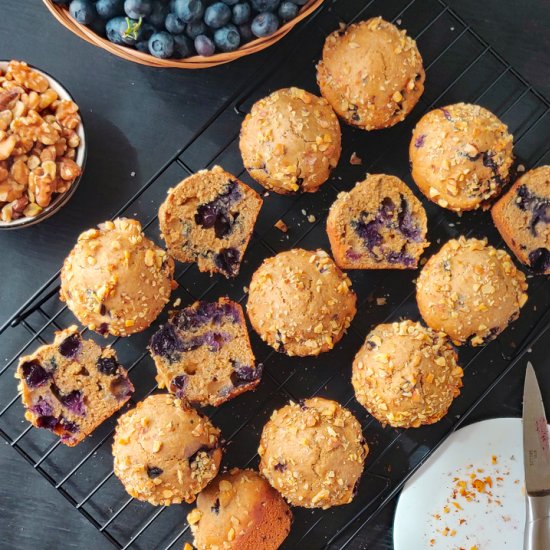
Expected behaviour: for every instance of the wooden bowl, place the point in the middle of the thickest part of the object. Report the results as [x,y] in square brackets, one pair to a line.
[194,62]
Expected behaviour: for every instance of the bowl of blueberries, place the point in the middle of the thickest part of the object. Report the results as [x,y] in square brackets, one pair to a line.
[188,34]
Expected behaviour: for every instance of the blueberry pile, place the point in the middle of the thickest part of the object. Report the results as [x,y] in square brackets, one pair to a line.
[181,28]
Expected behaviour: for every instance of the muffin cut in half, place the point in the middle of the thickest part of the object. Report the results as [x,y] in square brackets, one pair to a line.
[71,386]
[522,217]
[203,353]
[379,224]
[208,218]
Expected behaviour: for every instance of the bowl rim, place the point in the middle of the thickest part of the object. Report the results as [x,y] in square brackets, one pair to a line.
[81,155]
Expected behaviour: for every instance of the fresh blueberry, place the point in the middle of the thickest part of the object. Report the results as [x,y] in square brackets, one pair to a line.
[195,28]
[204,45]
[161,45]
[35,375]
[188,10]
[230,2]
[62,2]
[265,5]
[166,342]
[147,30]
[138,8]
[71,346]
[264,24]
[228,260]
[158,15]
[300,2]
[174,24]
[246,32]
[287,11]
[107,365]
[241,13]
[154,471]
[178,385]
[217,15]
[107,9]
[227,39]
[183,46]
[122,30]
[82,11]
[121,387]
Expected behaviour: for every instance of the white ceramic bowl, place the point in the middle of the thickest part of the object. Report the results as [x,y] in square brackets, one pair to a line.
[60,200]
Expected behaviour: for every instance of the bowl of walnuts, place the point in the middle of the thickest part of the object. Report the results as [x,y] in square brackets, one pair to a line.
[42,145]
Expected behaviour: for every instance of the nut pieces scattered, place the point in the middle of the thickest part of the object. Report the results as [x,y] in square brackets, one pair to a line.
[38,142]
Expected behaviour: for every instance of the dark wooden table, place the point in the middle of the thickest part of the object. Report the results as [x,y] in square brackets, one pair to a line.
[136,119]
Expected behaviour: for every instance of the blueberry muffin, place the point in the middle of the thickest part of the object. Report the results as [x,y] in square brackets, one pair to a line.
[313,453]
[300,303]
[461,156]
[240,510]
[71,386]
[115,280]
[371,73]
[379,224]
[208,218]
[523,218]
[290,141]
[203,353]
[406,375]
[470,290]
[164,451]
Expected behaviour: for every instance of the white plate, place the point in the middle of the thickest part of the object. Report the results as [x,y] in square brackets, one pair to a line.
[486,523]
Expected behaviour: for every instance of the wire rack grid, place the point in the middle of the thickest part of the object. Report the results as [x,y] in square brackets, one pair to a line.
[460,66]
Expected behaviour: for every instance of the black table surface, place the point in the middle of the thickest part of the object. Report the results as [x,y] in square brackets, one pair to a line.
[136,119]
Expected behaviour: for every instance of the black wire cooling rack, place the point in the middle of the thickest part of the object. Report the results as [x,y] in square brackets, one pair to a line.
[460,66]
